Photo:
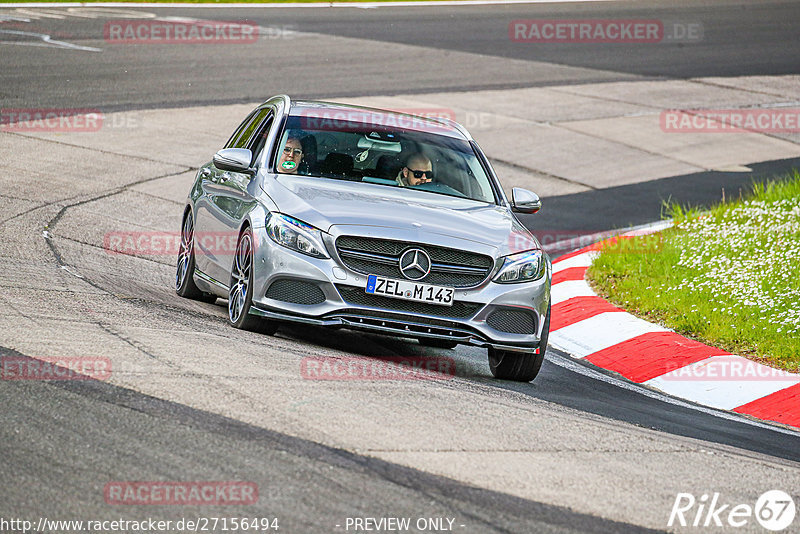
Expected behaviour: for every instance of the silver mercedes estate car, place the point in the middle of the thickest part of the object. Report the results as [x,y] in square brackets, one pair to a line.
[343,216]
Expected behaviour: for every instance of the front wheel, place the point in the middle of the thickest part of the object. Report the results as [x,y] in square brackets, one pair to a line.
[240,295]
[519,366]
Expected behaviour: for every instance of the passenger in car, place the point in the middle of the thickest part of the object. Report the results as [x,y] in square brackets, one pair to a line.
[417,170]
[291,156]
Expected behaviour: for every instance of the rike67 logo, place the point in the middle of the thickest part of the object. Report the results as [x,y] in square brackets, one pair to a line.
[774,510]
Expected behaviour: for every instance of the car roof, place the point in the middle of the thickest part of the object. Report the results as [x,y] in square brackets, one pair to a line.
[345,112]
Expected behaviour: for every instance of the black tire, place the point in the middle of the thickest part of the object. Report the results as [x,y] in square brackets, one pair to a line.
[437,343]
[184,270]
[240,295]
[519,366]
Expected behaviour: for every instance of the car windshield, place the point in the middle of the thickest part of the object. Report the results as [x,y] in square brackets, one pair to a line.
[381,155]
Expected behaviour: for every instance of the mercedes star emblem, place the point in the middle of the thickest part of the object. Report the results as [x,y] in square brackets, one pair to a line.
[415,264]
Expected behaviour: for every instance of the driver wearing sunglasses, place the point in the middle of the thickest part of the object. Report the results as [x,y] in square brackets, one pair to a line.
[416,171]
[291,156]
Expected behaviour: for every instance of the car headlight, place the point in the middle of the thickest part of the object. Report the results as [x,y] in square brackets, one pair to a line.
[296,235]
[522,267]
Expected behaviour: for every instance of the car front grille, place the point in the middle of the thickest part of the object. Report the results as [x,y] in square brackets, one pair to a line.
[357,295]
[296,292]
[512,321]
[449,267]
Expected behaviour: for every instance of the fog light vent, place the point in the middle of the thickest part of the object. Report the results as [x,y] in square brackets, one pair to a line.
[296,292]
[512,321]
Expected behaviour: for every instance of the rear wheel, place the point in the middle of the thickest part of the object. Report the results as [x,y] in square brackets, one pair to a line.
[240,296]
[184,274]
[519,366]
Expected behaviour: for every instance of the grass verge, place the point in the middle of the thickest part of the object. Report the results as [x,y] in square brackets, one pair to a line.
[729,276]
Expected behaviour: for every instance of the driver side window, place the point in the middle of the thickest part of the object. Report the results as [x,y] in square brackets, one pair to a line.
[245,131]
[238,133]
[258,141]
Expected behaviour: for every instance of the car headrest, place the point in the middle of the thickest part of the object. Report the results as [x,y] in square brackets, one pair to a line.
[309,143]
[387,166]
[336,163]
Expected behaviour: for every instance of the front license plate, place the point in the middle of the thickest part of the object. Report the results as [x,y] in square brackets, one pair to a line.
[403,289]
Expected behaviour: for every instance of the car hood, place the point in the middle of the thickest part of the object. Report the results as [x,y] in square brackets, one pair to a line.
[338,206]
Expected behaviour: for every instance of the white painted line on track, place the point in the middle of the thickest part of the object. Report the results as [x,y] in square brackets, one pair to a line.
[722,382]
[263,30]
[723,393]
[581,260]
[568,363]
[7,17]
[570,289]
[569,244]
[600,332]
[46,41]
[651,228]
[588,239]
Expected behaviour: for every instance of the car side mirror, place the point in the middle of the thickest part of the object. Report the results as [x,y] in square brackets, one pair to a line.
[524,201]
[234,160]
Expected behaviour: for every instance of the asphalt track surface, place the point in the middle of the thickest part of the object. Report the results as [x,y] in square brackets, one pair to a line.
[62,441]
[312,487]
[739,38]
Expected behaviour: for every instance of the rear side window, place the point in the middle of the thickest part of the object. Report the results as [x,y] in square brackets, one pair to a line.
[240,129]
[246,129]
[260,139]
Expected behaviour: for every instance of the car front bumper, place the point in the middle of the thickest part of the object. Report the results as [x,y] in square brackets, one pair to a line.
[341,301]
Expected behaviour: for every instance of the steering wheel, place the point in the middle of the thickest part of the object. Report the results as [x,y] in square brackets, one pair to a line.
[437,187]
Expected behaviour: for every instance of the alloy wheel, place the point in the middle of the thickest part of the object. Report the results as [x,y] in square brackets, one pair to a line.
[242,265]
[185,251]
